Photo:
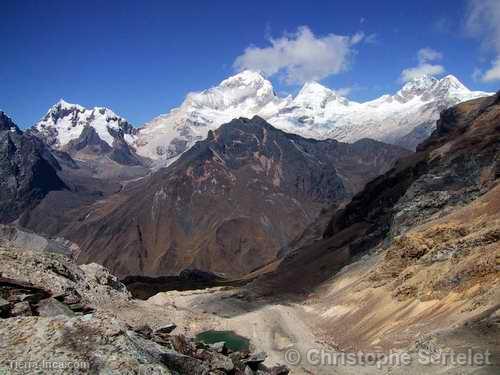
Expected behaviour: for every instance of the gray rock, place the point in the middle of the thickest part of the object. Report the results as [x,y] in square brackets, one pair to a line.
[144,330]
[21,308]
[3,303]
[219,347]
[151,350]
[47,274]
[13,236]
[221,362]
[4,307]
[52,307]
[184,364]
[256,358]
[279,370]
[99,340]
[165,329]
[103,277]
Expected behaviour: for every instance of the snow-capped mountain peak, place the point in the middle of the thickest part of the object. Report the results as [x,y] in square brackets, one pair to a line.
[64,105]
[427,85]
[244,78]
[417,86]
[245,94]
[246,89]
[65,122]
[316,112]
[313,95]
[314,88]
[451,82]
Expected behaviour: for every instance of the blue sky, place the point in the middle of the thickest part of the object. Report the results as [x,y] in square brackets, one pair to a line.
[141,58]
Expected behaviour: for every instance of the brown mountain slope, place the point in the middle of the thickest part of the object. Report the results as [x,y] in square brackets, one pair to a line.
[437,276]
[228,204]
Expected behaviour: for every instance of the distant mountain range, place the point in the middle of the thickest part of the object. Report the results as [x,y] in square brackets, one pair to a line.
[236,191]
[405,118]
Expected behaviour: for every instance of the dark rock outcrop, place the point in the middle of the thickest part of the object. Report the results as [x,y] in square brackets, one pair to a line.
[28,171]
[90,145]
[88,140]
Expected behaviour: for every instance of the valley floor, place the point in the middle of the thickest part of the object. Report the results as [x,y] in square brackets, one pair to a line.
[286,331]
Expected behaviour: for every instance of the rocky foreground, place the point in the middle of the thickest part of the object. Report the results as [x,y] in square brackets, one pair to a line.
[60,318]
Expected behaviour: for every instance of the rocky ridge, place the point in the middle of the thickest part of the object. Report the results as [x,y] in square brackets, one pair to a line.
[73,309]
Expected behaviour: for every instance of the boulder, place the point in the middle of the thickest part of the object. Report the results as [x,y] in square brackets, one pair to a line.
[144,330]
[38,275]
[182,344]
[216,361]
[21,308]
[52,307]
[279,370]
[4,307]
[165,329]
[256,358]
[219,347]
[221,362]
[184,364]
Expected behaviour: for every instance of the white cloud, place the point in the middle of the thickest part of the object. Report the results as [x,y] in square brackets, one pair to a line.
[420,71]
[428,54]
[301,56]
[483,22]
[425,67]
[492,74]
